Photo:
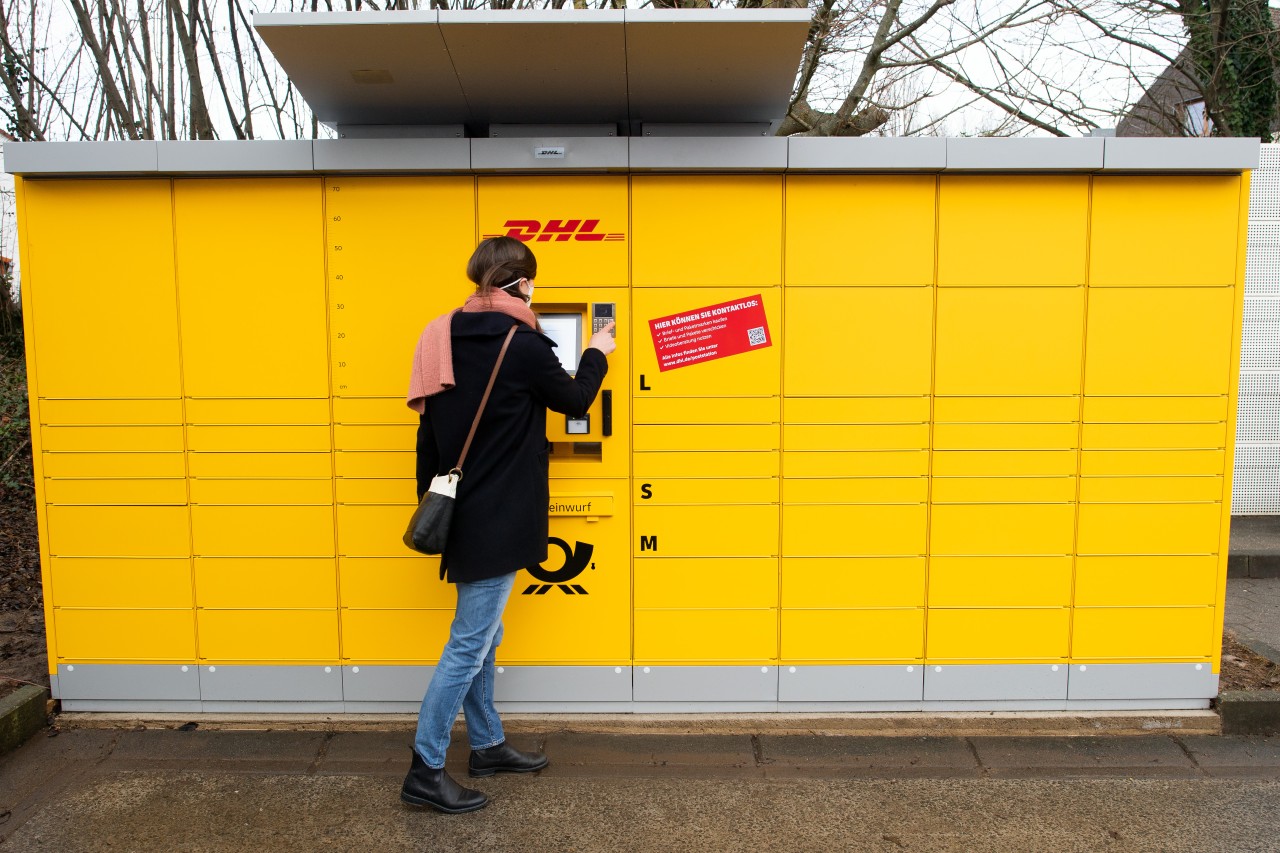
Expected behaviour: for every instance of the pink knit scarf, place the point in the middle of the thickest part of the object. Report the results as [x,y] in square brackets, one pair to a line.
[433,361]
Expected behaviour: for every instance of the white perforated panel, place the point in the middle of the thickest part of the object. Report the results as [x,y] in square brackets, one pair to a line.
[1256,487]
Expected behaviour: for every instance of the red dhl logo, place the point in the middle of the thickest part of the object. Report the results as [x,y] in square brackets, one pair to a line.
[560,230]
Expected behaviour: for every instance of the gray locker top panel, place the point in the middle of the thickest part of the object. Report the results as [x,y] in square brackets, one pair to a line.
[354,68]
[549,153]
[643,154]
[240,157]
[1040,155]
[1158,155]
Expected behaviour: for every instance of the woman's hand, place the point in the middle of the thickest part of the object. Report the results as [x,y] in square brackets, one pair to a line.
[603,340]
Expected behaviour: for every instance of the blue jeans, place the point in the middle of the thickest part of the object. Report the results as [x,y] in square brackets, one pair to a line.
[464,677]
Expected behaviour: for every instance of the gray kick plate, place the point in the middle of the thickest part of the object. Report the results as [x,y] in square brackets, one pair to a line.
[1141,681]
[995,682]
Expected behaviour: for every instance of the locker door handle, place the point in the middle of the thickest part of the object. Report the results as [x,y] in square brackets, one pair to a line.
[606,413]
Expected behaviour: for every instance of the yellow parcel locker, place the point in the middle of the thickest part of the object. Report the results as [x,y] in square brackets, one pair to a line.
[577,227]
[102,635]
[1181,346]
[262,531]
[891,215]
[852,582]
[1000,581]
[720,230]
[858,341]
[1009,340]
[257,582]
[118,531]
[1166,528]
[120,582]
[706,636]
[382,288]
[847,636]
[1143,633]
[1013,229]
[394,582]
[853,530]
[1165,581]
[268,636]
[276,346]
[1131,243]
[996,529]
[741,530]
[998,634]
[394,636]
[92,341]
[706,582]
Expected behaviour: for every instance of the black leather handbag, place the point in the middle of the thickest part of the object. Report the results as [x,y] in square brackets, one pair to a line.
[428,530]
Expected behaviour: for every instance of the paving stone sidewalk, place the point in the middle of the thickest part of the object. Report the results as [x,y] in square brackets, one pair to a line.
[1253,613]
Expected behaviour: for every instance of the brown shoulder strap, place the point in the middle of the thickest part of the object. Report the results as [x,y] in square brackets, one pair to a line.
[485,399]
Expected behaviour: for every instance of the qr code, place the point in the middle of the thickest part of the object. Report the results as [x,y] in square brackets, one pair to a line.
[756,336]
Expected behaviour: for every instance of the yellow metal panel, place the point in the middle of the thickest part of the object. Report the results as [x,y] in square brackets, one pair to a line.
[1146,581]
[886,332]
[894,490]
[746,530]
[1015,340]
[1171,528]
[383,288]
[1131,243]
[375,437]
[80,582]
[1142,436]
[402,636]
[1151,633]
[706,437]
[818,582]
[374,530]
[118,531]
[261,438]
[92,465]
[865,463]
[720,463]
[1004,463]
[1140,409]
[274,346]
[853,530]
[375,491]
[120,491]
[1182,346]
[111,438]
[899,223]
[856,410]
[706,582]
[577,226]
[855,436]
[1005,436]
[999,581]
[245,410]
[313,464]
[754,373]
[852,635]
[383,582]
[373,410]
[1006,409]
[264,491]
[75,226]
[125,635]
[995,529]
[1004,489]
[275,636]
[675,219]
[104,412]
[583,618]
[1013,230]
[279,582]
[746,490]
[719,410]
[1150,489]
[1160,462]
[378,463]
[696,636]
[1008,634]
[262,531]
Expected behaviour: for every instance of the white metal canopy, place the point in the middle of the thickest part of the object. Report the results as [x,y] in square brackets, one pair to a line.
[626,67]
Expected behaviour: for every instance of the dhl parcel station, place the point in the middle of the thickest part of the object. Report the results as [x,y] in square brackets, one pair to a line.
[893,424]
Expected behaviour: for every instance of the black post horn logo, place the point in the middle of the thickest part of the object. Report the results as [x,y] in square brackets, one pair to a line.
[576,559]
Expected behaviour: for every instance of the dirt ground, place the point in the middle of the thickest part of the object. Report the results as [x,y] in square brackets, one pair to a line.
[22,648]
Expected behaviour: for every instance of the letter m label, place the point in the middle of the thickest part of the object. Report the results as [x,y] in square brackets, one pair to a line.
[648,543]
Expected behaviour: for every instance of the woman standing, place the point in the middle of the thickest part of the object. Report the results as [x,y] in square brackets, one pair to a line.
[500,518]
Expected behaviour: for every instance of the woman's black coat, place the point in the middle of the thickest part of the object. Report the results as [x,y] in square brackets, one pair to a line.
[500,518]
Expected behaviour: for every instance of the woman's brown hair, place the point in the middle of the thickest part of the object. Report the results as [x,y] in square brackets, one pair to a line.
[499,261]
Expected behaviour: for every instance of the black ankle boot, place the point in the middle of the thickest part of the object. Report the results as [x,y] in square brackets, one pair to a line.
[504,758]
[426,786]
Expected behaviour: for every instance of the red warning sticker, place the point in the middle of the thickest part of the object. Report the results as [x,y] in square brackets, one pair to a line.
[704,334]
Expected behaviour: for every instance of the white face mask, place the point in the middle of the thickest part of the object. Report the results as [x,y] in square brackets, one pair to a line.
[516,292]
